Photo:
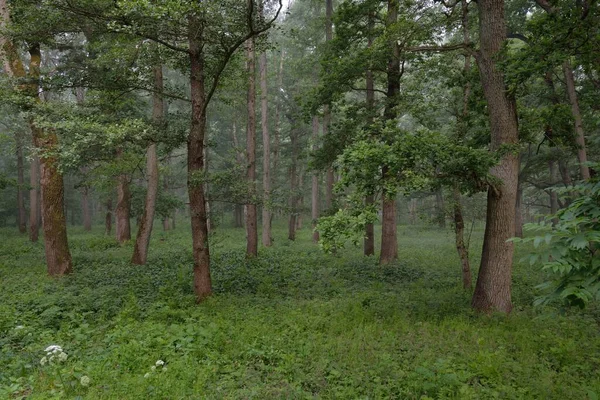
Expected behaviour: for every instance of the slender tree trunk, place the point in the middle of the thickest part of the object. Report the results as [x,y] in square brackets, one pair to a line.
[21,212]
[552,192]
[584,170]
[300,200]
[389,240]
[142,240]
[293,187]
[251,214]
[314,196]
[277,132]
[108,217]
[266,209]
[440,208]
[85,206]
[34,203]
[519,212]
[122,212]
[195,144]
[461,248]
[329,176]
[492,291]
[369,241]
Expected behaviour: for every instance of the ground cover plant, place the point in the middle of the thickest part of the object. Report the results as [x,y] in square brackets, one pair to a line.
[293,323]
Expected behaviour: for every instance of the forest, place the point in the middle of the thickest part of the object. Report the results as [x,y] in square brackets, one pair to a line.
[299,199]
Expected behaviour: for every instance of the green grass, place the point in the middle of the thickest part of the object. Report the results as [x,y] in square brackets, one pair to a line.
[294,323]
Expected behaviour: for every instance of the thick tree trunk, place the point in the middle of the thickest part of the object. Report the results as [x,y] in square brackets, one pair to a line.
[251,214]
[459,234]
[389,240]
[86,211]
[314,193]
[142,240]
[267,240]
[108,217]
[493,288]
[34,200]
[21,212]
[584,170]
[195,144]
[123,210]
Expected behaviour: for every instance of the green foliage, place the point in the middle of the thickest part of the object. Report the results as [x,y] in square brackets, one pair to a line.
[569,249]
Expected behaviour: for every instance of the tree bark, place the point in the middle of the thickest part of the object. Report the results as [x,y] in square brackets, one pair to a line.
[123,210]
[251,214]
[314,195]
[461,248]
[293,187]
[85,206]
[195,144]
[267,240]
[369,241]
[108,217]
[34,203]
[584,170]
[493,288]
[142,241]
[389,240]
[440,209]
[552,192]
[21,212]
[329,176]
[519,212]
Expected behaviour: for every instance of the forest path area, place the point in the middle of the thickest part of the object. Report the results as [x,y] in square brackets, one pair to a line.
[293,323]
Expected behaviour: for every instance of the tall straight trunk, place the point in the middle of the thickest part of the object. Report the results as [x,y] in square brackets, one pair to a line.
[238,210]
[584,170]
[108,217]
[251,214]
[123,210]
[195,159]
[369,241]
[389,240]
[300,200]
[277,132]
[440,212]
[142,240]
[267,240]
[86,211]
[206,193]
[329,176]
[21,213]
[461,248]
[314,192]
[34,200]
[493,288]
[293,187]
[519,211]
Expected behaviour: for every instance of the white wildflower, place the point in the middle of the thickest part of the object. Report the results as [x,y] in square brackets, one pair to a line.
[43,361]
[164,369]
[153,368]
[159,363]
[85,380]
[54,349]
[19,327]
[62,357]
[147,375]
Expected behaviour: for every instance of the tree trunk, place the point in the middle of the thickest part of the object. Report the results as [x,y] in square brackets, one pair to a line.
[251,214]
[267,240]
[389,240]
[34,203]
[584,170]
[108,217]
[142,240]
[86,211]
[329,176]
[459,234]
[293,187]
[440,208]
[21,212]
[552,192]
[369,241]
[519,212]
[492,291]
[195,144]
[314,195]
[122,212]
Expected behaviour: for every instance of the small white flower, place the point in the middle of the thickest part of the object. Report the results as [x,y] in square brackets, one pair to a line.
[147,375]
[53,349]
[159,363]
[164,369]
[43,361]
[62,357]
[19,327]
[153,368]
[85,381]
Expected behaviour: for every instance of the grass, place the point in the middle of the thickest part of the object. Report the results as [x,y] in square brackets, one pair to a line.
[292,324]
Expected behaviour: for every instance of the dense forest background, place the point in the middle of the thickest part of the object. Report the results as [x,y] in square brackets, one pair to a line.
[361,158]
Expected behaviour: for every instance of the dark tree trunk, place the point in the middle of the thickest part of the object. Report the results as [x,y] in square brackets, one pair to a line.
[251,214]
[493,288]
[21,212]
[34,200]
[329,176]
[267,240]
[389,240]
[108,217]
[293,187]
[369,241]
[142,240]
[461,248]
[86,211]
[314,197]
[519,212]
[195,147]
[440,208]
[123,210]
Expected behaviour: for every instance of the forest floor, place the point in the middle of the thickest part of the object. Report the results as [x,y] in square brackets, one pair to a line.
[294,323]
